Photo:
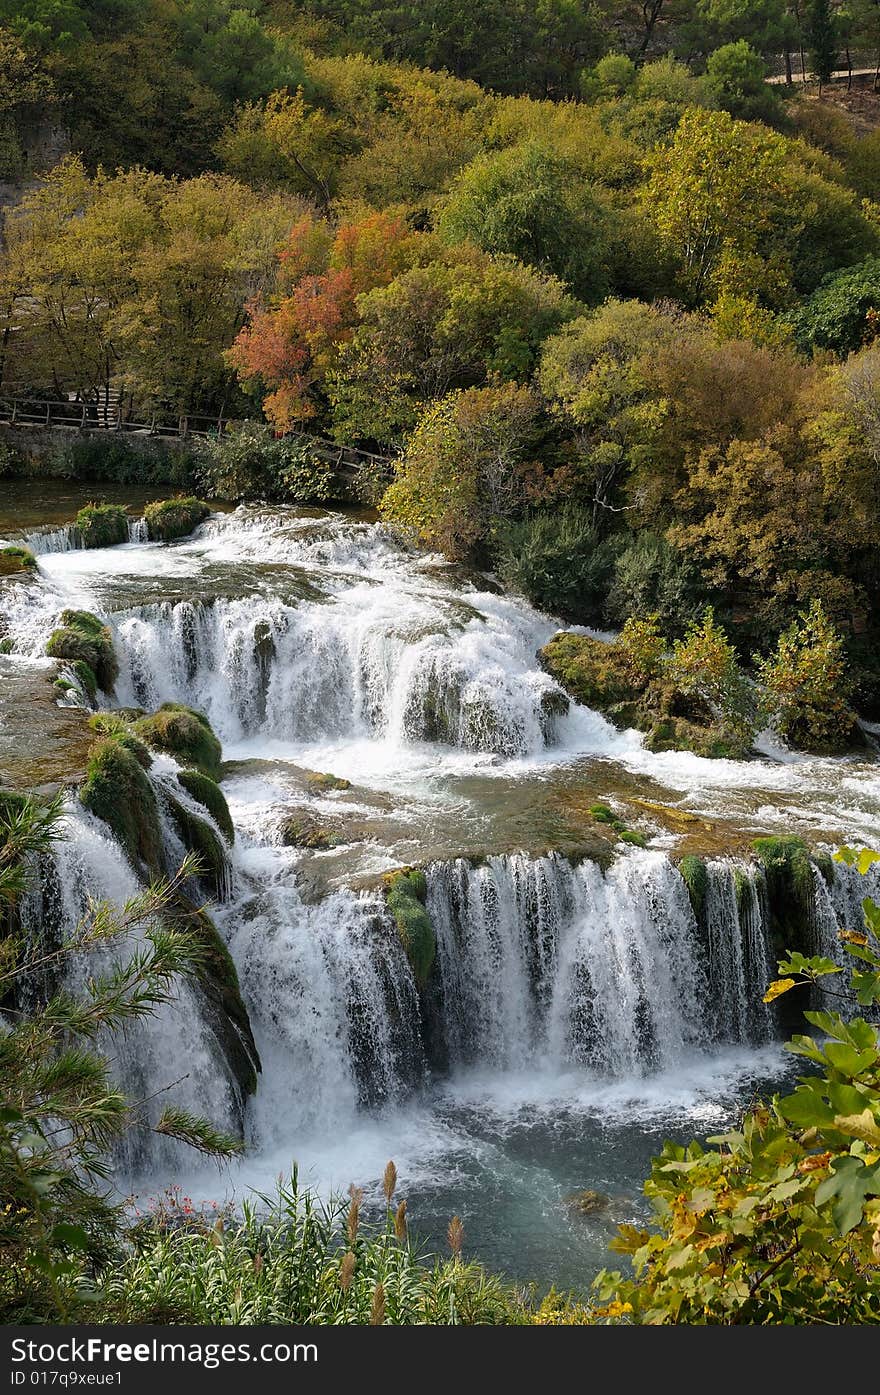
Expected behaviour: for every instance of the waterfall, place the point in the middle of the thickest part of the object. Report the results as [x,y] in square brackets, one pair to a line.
[739,956]
[333,1006]
[66,538]
[348,666]
[138,531]
[540,960]
[170,1057]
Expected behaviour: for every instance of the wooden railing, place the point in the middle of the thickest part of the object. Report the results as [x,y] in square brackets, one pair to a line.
[104,418]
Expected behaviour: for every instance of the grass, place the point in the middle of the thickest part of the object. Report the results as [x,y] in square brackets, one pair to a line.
[295,1260]
[183,733]
[102,525]
[175,518]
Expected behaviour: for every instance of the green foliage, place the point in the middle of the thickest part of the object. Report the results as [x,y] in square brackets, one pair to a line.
[183,733]
[406,892]
[842,313]
[533,204]
[175,518]
[207,792]
[15,560]
[737,76]
[293,1258]
[252,462]
[117,790]
[120,459]
[652,577]
[778,1220]
[808,685]
[822,38]
[102,525]
[557,560]
[83,638]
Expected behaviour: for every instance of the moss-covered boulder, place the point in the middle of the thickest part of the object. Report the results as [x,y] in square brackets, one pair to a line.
[208,793]
[319,782]
[102,525]
[406,892]
[199,838]
[183,733]
[602,676]
[117,790]
[116,726]
[15,560]
[221,992]
[175,518]
[82,638]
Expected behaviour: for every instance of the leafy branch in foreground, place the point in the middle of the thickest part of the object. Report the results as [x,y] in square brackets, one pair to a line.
[777,1221]
[60,1112]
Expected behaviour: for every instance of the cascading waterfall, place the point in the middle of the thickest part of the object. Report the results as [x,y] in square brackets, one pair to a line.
[739,959]
[172,1057]
[42,541]
[542,959]
[351,665]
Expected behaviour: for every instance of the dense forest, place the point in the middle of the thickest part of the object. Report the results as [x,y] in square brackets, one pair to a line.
[598,286]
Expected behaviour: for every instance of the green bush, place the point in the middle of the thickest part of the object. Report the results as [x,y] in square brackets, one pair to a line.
[808,686]
[251,462]
[83,638]
[837,315]
[16,559]
[184,734]
[558,562]
[121,460]
[652,577]
[117,791]
[102,525]
[208,793]
[175,518]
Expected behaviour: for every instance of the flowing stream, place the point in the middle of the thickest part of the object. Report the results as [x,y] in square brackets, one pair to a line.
[578,1011]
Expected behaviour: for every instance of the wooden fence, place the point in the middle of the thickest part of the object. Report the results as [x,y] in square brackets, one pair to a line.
[104,419]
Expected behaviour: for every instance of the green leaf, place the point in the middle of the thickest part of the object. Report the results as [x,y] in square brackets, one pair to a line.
[72,1237]
[848,1185]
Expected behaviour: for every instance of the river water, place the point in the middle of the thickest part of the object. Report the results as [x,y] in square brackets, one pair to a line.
[575,1017]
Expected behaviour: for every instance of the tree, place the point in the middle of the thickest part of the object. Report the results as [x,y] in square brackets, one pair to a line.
[737,75]
[821,31]
[843,314]
[808,684]
[778,1220]
[60,1111]
[530,203]
[463,470]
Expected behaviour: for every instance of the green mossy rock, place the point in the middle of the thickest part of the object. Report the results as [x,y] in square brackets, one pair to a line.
[597,674]
[406,892]
[319,782]
[184,734]
[117,791]
[218,979]
[303,829]
[82,638]
[587,1202]
[633,837]
[198,837]
[695,875]
[15,560]
[102,525]
[175,518]
[208,793]
[115,726]
[788,873]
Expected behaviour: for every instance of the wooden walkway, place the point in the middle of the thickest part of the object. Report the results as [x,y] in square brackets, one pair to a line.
[99,419]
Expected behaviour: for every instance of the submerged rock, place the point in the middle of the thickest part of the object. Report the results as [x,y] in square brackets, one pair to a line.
[587,1202]
[303,828]
[320,782]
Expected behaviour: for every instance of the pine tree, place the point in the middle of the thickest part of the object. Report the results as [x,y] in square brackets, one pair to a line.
[821,39]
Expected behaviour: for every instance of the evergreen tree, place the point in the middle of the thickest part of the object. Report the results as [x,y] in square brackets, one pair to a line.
[821,39]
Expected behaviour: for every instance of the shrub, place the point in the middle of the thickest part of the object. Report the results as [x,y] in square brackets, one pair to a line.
[651,577]
[251,462]
[208,793]
[102,525]
[117,791]
[183,733]
[838,315]
[83,638]
[14,560]
[558,562]
[808,685]
[642,647]
[175,518]
[122,460]
[704,666]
